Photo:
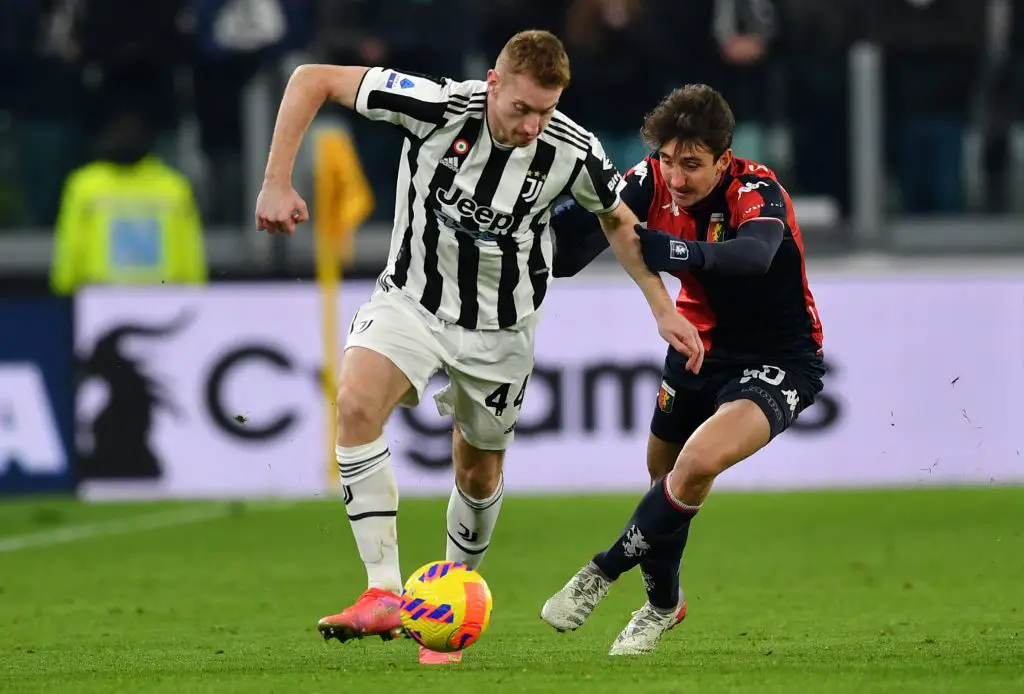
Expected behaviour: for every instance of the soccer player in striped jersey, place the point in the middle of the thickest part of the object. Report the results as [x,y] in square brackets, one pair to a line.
[726,228]
[482,164]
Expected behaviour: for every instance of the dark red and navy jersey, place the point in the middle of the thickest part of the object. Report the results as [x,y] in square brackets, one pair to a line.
[748,317]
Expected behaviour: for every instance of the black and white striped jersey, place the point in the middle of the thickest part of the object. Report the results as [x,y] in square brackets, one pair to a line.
[471,239]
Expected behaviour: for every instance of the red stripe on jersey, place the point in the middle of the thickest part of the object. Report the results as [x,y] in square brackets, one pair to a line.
[693,304]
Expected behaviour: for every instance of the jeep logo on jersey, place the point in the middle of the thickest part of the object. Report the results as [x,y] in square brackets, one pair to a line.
[483,218]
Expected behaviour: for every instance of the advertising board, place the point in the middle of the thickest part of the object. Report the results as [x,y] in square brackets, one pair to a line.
[36,396]
[216,392]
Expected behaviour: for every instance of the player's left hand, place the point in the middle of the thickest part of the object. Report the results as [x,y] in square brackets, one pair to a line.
[684,338]
[662,252]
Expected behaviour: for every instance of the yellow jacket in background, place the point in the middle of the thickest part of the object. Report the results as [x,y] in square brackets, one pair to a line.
[127,224]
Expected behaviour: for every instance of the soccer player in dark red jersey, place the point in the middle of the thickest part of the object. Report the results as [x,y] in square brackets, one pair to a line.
[725,228]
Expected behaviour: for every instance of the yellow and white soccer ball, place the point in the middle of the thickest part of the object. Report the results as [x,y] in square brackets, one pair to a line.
[446,606]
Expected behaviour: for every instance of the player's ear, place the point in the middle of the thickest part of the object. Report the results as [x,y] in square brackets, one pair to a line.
[724,161]
[493,77]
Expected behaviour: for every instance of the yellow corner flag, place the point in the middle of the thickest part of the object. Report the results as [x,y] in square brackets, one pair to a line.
[342,200]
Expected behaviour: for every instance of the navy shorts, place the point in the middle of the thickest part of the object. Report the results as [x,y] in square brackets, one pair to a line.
[685,401]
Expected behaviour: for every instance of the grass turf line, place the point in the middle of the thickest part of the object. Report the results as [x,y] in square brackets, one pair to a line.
[909,591]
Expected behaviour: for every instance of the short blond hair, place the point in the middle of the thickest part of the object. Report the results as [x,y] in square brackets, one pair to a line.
[537,54]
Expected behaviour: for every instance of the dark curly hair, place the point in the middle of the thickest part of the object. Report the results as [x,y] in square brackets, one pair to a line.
[692,113]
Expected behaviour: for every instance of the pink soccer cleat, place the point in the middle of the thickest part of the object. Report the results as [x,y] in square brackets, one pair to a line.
[429,657]
[375,613]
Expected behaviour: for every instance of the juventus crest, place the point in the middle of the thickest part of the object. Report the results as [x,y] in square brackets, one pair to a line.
[533,184]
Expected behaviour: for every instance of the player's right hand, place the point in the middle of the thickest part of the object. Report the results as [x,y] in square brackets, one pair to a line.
[684,338]
[279,209]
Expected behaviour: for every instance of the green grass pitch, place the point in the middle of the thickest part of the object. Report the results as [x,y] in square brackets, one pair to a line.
[901,591]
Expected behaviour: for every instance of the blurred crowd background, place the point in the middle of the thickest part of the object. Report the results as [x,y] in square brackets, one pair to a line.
[890,121]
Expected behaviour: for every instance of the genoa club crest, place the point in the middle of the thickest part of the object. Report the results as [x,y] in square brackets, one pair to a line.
[666,397]
[716,228]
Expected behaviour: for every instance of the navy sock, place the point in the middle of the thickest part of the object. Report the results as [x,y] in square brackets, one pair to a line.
[661,571]
[658,520]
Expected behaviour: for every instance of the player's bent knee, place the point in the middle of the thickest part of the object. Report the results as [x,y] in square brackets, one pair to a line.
[695,471]
[697,464]
[358,418]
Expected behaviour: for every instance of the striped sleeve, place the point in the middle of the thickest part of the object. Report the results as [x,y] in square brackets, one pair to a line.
[413,102]
[637,188]
[596,186]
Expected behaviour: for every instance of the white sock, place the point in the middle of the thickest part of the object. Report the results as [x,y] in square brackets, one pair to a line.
[371,500]
[470,524]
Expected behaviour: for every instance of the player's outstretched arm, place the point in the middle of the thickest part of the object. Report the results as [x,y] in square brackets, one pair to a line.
[279,207]
[579,238]
[750,253]
[309,87]
[758,210]
[618,226]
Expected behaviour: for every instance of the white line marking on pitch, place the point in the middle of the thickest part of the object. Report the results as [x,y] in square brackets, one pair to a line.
[123,526]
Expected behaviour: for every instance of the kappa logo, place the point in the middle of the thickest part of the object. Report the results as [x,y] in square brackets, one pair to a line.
[640,171]
[751,187]
[792,399]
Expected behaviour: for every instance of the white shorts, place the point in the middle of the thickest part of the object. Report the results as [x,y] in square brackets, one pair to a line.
[487,369]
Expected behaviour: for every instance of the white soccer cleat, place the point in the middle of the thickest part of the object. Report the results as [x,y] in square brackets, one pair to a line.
[567,609]
[645,629]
